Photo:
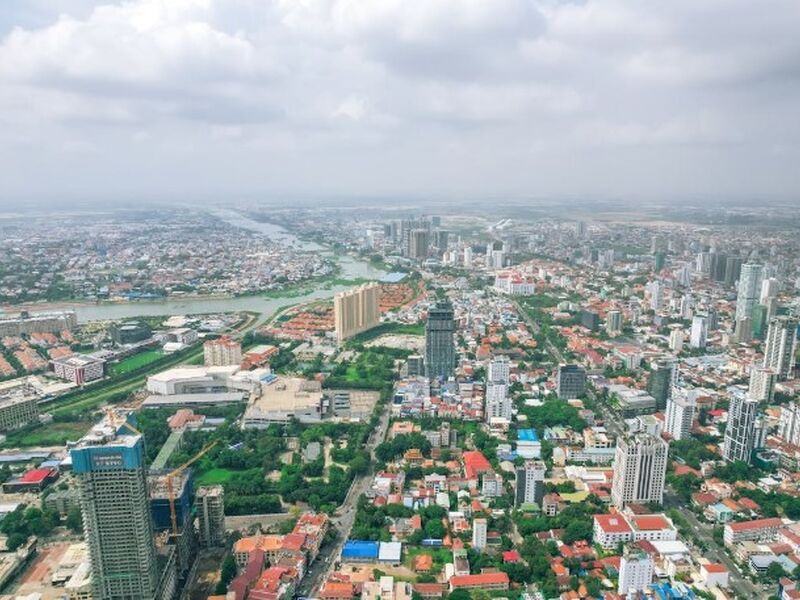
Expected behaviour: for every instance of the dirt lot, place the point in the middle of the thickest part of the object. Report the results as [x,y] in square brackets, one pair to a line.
[36,578]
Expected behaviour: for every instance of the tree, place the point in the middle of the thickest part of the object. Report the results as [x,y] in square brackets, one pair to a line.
[775,571]
[74,520]
[227,573]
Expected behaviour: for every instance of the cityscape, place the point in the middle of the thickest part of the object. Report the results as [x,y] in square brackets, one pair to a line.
[399,300]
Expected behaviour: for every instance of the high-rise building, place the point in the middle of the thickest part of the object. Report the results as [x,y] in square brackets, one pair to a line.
[479,533]
[769,289]
[530,483]
[676,337]
[570,382]
[210,501]
[699,335]
[640,466]
[733,269]
[659,260]
[116,515]
[613,322]
[740,431]
[499,370]
[440,352]
[759,323]
[418,243]
[789,427]
[762,383]
[780,346]
[749,289]
[743,333]
[222,352]
[498,402]
[635,573]
[681,407]
[356,310]
[712,319]
[662,378]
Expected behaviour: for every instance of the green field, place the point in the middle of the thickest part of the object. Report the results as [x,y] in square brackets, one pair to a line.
[215,477]
[52,434]
[135,362]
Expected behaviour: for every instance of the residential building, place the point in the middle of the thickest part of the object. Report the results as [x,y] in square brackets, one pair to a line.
[498,403]
[789,426]
[210,502]
[681,408]
[110,470]
[530,483]
[570,382]
[676,337]
[762,383]
[499,370]
[698,338]
[356,310]
[640,466]
[440,357]
[635,573]
[662,378]
[749,289]
[26,323]
[613,322]
[781,345]
[18,411]
[740,432]
[418,243]
[222,352]
[479,533]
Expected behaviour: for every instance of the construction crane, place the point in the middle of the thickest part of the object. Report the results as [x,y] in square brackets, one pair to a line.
[173,474]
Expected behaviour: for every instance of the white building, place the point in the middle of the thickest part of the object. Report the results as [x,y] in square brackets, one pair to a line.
[78,369]
[780,346]
[762,383]
[640,466]
[769,289]
[789,427]
[681,407]
[740,432]
[635,573]
[499,370]
[222,352]
[749,290]
[699,334]
[479,532]
[498,403]
[676,337]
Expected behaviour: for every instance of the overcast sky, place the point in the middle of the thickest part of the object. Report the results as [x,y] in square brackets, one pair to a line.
[517,98]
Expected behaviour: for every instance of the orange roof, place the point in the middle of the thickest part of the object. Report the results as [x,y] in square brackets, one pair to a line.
[715,568]
[423,562]
[612,523]
[756,524]
[475,463]
[650,522]
[479,579]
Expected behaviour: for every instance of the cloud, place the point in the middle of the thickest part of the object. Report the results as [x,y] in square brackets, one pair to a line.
[375,96]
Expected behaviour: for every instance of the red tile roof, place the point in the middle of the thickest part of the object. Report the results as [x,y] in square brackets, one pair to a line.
[756,524]
[612,523]
[479,579]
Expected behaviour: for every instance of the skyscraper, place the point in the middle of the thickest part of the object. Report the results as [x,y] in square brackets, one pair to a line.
[356,310]
[769,289]
[789,427]
[570,381]
[613,322]
[780,346]
[733,269]
[440,352]
[663,375]
[530,483]
[762,383]
[418,243]
[110,471]
[699,335]
[680,413]
[640,466]
[740,431]
[749,289]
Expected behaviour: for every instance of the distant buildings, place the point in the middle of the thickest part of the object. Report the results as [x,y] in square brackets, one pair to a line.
[440,352]
[222,352]
[780,346]
[570,382]
[740,432]
[26,323]
[640,466]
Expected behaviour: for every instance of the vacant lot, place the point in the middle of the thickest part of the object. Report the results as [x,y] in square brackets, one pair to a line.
[52,434]
[136,361]
[215,476]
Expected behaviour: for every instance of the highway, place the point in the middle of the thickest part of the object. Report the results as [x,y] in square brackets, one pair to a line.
[343,522]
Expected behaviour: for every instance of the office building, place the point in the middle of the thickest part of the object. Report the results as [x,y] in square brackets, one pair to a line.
[699,335]
[499,370]
[640,466]
[762,383]
[440,352]
[530,483]
[570,382]
[789,426]
[479,533]
[733,270]
[613,322]
[590,320]
[749,289]
[498,403]
[780,346]
[222,352]
[759,321]
[130,332]
[356,310]
[110,471]
[18,410]
[635,573]
[210,503]
[418,243]
[663,376]
[740,432]
[681,407]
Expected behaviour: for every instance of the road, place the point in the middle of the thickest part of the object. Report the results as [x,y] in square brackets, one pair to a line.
[329,554]
[535,327]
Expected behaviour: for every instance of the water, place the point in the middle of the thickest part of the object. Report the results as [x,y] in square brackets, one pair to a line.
[351,268]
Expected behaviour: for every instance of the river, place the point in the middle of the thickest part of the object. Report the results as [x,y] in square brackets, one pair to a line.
[351,268]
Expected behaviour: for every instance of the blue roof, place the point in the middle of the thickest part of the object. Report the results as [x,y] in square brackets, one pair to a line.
[527,435]
[394,277]
[360,549]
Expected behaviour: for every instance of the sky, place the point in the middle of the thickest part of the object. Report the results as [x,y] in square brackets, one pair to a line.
[226,99]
